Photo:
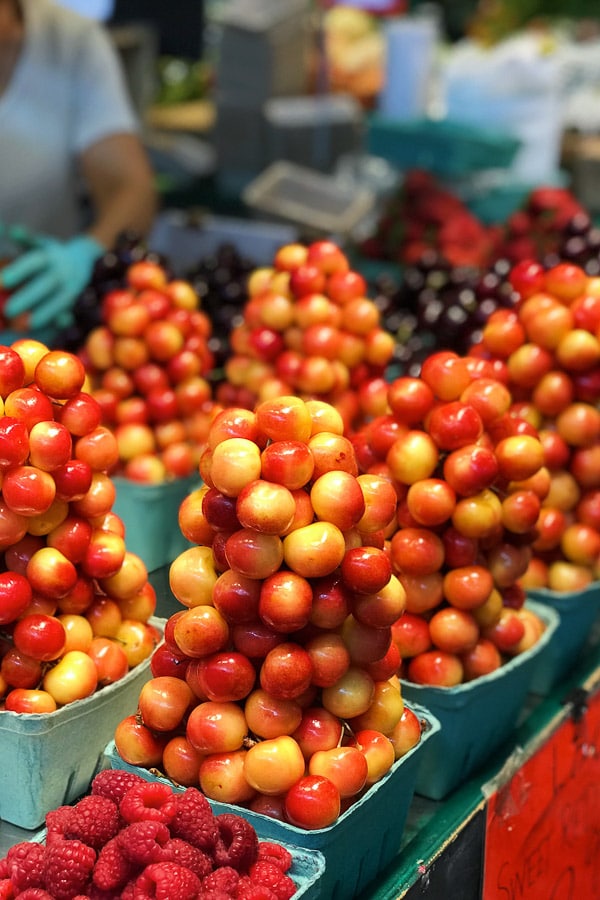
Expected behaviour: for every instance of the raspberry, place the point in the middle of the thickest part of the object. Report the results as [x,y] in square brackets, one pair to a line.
[113,783]
[35,893]
[68,867]
[128,892]
[95,893]
[265,872]
[94,820]
[224,880]
[180,851]
[142,842]
[194,820]
[56,820]
[275,853]
[247,890]
[165,881]
[148,800]
[112,870]
[6,889]
[238,844]
[26,865]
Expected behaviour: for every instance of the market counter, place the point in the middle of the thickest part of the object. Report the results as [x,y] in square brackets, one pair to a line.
[528,824]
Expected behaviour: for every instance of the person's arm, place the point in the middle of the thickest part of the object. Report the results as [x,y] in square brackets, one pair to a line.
[121,186]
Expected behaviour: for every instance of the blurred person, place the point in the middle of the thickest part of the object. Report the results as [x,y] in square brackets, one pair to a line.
[74,174]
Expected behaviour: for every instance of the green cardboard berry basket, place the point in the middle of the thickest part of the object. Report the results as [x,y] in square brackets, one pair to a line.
[364,839]
[476,717]
[150,514]
[49,759]
[578,612]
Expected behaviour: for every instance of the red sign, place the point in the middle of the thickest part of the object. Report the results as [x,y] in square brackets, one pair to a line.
[543,827]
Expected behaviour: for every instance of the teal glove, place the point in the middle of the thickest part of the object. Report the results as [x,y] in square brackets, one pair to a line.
[49,276]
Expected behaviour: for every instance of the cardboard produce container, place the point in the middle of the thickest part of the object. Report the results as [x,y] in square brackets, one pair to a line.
[578,612]
[150,513]
[366,836]
[49,759]
[476,717]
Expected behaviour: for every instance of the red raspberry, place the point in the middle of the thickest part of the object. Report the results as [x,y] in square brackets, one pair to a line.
[113,783]
[93,820]
[247,890]
[112,870]
[268,873]
[25,863]
[95,893]
[194,820]
[148,800]
[6,889]
[68,868]
[128,892]
[35,894]
[182,852]
[214,895]
[56,820]
[224,880]
[166,881]
[275,853]
[142,842]
[238,843]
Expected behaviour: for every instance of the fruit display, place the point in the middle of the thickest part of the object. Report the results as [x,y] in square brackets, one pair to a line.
[130,838]
[468,473]
[549,348]
[309,329]
[426,215]
[219,279]
[108,274]
[275,687]
[75,604]
[148,364]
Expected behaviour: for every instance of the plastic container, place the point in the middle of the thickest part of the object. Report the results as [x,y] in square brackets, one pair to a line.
[185,238]
[314,201]
[49,759]
[263,48]
[366,836]
[578,612]
[312,130]
[150,513]
[476,717]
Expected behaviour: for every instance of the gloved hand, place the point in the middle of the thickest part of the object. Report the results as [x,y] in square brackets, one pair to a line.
[48,277]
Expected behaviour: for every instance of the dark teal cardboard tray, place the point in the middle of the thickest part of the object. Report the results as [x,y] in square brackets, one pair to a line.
[477,716]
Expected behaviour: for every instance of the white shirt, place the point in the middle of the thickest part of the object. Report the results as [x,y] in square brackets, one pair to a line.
[67,91]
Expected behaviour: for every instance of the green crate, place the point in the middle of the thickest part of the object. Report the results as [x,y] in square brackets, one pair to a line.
[443,147]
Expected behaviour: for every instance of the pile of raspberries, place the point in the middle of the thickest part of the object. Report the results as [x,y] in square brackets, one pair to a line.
[132,839]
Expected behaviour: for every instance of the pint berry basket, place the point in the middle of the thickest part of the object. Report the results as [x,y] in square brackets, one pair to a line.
[578,611]
[476,717]
[150,515]
[363,840]
[49,759]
